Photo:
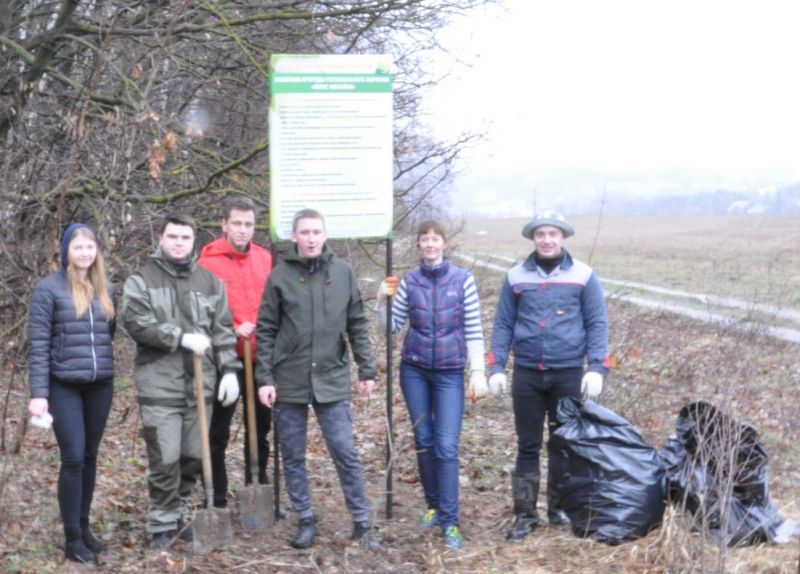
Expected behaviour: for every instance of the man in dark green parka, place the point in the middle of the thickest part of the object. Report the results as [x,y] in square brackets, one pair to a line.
[310,311]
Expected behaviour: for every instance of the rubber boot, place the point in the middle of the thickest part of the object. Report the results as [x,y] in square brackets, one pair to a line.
[525,489]
[555,514]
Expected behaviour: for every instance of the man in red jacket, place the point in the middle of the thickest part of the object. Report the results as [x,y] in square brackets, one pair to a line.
[244,268]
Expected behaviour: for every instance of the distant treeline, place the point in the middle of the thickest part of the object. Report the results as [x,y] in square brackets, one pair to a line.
[784,200]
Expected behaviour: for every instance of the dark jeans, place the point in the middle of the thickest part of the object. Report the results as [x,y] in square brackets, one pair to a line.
[79,412]
[336,423]
[435,401]
[220,434]
[536,394]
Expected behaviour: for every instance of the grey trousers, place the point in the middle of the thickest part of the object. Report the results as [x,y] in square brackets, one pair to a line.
[172,436]
[336,423]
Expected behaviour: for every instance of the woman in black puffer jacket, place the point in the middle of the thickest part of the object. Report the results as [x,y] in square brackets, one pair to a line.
[71,368]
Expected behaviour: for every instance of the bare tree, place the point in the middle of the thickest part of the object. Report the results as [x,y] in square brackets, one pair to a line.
[113,112]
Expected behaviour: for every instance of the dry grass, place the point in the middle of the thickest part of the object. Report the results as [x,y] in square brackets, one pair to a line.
[753,258]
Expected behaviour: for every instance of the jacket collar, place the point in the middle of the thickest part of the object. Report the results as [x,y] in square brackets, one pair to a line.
[220,246]
[322,261]
[566,263]
[435,272]
[173,269]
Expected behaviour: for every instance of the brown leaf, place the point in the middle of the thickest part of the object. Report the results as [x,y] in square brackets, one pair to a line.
[170,141]
[156,159]
[136,72]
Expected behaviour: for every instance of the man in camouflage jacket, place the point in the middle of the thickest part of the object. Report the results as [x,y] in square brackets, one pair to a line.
[173,308]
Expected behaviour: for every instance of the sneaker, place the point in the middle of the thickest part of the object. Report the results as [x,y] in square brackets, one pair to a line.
[429,519]
[162,540]
[362,532]
[453,538]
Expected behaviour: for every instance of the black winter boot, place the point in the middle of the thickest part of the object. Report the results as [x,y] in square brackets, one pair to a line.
[89,539]
[75,549]
[306,531]
[525,489]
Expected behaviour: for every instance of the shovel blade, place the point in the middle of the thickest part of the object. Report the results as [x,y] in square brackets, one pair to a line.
[212,529]
[256,506]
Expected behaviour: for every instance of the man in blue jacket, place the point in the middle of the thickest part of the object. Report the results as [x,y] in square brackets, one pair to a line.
[552,314]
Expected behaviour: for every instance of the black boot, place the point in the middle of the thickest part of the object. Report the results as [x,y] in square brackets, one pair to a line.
[525,489]
[555,514]
[89,539]
[185,531]
[306,531]
[362,532]
[75,549]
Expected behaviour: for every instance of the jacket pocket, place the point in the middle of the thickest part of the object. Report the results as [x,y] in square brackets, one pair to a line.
[284,348]
[342,348]
[57,349]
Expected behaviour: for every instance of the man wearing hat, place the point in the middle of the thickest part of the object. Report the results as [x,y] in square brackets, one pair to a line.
[552,314]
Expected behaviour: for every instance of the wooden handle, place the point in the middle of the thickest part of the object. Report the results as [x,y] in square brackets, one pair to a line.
[251,410]
[202,424]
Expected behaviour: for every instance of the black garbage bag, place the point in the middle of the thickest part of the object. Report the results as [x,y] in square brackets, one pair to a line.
[717,471]
[610,482]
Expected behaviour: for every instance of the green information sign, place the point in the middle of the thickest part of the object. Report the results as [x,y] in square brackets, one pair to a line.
[330,130]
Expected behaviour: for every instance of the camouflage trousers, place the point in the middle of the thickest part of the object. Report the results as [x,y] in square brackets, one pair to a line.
[174,462]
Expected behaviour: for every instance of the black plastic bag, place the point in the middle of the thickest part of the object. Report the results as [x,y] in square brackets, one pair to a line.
[610,482]
[717,471]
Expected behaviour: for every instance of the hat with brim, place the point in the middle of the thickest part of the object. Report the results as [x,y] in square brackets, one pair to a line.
[552,218]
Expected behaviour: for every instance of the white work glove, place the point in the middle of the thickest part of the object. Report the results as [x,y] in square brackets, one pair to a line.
[195,342]
[592,385]
[477,388]
[498,383]
[228,389]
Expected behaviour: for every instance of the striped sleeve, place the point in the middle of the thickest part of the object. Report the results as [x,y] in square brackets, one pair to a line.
[472,311]
[400,306]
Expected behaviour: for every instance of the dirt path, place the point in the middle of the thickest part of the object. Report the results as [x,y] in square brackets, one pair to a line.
[714,310]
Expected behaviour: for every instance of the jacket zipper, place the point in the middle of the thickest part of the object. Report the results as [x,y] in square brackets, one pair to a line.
[435,313]
[91,336]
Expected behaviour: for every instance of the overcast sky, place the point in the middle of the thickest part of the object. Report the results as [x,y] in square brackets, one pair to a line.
[635,89]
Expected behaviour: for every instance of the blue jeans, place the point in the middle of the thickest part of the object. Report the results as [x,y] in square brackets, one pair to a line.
[336,423]
[80,411]
[435,401]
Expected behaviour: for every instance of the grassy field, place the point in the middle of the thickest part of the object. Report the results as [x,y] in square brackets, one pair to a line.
[753,258]
[662,361]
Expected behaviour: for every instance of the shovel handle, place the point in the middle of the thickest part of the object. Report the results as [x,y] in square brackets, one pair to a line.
[202,424]
[249,391]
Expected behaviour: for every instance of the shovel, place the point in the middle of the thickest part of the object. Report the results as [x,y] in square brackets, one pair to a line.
[256,504]
[212,526]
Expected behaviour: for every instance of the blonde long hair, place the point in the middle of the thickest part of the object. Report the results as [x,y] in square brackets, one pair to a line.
[84,290]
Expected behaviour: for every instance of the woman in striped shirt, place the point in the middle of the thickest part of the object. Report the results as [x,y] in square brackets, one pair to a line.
[440,302]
